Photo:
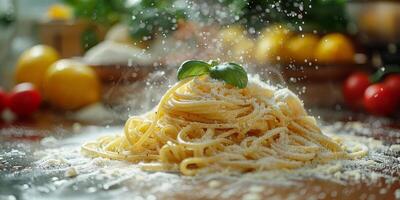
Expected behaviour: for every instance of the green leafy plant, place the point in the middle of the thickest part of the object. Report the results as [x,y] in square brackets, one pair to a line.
[322,15]
[231,73]
[6,19]
[89,38]
[148,19]
[104,12]
[151,18]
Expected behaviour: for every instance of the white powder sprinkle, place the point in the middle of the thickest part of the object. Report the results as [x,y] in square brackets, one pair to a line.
[395,148]
[256,188]
[251,196]
[383,191]
[110,174]
[48,141]
[71,172]
[397,193]
[214,184]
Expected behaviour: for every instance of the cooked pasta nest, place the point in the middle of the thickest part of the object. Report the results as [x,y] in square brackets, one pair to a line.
[202,124]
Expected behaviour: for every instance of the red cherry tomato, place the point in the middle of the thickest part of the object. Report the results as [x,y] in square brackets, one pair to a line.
[3,100]
[354,88]
[393,82]
[24,99]
[380,99]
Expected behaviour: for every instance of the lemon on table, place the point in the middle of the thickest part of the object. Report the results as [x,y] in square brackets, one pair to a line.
[69,84]
[244,48]
[271,43]
[231,35]
[301,48]
[33,64]
[271,48]
[59,12]
[276,29]
[335,48]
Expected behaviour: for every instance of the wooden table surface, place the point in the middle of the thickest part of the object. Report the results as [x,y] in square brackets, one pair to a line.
[29,133]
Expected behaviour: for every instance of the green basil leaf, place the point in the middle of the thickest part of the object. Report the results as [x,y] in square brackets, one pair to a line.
[231,73]
[193,68]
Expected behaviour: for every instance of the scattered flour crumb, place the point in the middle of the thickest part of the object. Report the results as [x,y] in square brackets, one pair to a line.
[383,191]
[251,196]
[76,127]
[59,183]
[48,141]
[100,162]
[71,172]
[115,173]
[395,148]
[52,163]
[214,184]
[397,193]
[256,188]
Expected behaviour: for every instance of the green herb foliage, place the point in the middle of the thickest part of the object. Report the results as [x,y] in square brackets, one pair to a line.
[322,15]
[104,12]
[151,18]
[148,19]
[193,68]
[231,73]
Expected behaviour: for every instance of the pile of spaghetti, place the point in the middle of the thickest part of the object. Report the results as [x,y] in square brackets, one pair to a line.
[202,124]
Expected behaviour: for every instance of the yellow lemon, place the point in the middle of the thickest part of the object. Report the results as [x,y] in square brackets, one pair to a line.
[335,48]
[33,64]
[270,48]
[271,43]
[301,47]
[276,29]
[244,49]
[69,84]
[231,35]
[59,12]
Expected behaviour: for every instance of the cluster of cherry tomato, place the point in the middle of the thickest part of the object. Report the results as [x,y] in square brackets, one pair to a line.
[23,100]
[380,98]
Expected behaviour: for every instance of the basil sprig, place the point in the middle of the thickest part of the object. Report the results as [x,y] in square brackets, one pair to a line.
[231,73]
[193,68]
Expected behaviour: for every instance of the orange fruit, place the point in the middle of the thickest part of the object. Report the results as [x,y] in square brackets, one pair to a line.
[335,48]
[33,64]
[69,85]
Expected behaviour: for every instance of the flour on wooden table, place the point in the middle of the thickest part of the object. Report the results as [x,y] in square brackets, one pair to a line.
[381,164]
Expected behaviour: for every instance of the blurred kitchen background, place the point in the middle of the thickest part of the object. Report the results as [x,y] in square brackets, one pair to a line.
[134,46]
